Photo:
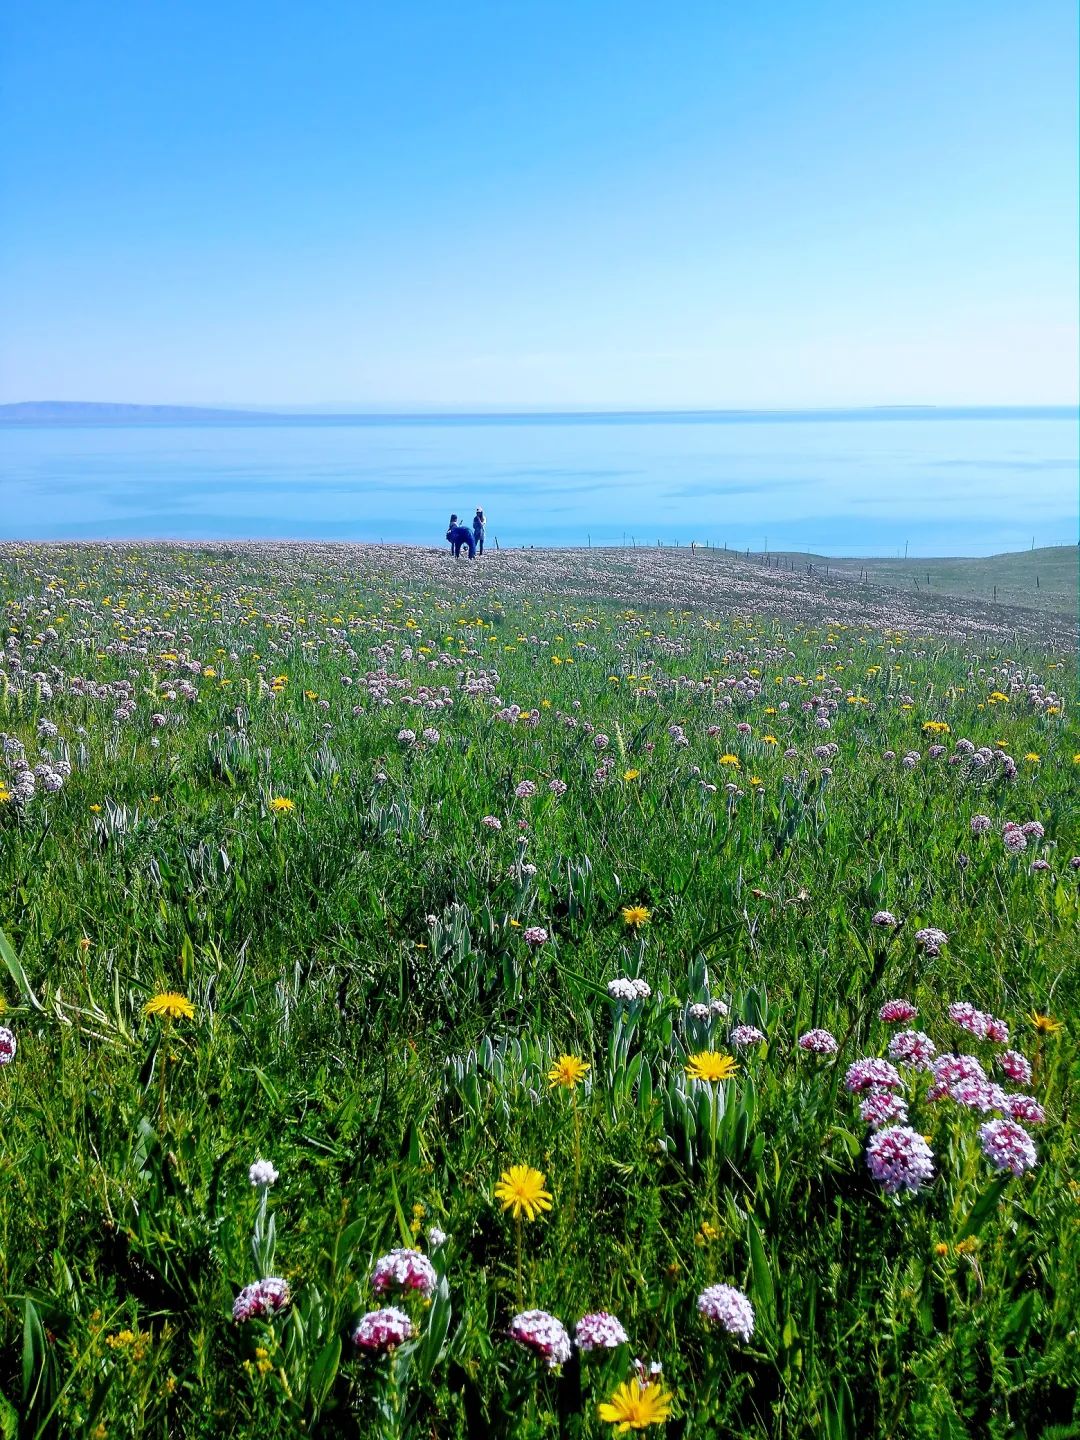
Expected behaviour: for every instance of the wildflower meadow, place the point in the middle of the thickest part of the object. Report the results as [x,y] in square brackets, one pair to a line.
[548,997]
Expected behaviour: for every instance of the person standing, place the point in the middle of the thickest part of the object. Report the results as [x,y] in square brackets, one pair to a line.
[478,525]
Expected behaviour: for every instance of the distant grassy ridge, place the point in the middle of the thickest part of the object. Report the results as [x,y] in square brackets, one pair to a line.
[1045,578]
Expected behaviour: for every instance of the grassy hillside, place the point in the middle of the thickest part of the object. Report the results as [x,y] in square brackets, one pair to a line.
[1045,578]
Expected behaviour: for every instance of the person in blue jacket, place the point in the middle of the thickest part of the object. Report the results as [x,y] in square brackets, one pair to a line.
[478,525]
[459,535]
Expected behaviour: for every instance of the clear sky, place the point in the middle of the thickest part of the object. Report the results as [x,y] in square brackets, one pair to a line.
[571,202]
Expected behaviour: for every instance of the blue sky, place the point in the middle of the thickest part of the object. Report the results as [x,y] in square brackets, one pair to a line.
[629,204]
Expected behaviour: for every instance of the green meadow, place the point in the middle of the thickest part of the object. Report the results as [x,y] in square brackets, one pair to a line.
[397,875]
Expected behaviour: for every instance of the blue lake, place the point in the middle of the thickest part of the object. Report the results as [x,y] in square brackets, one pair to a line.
[946,483]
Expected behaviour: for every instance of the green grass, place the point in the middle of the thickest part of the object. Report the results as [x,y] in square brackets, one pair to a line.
[369,1016]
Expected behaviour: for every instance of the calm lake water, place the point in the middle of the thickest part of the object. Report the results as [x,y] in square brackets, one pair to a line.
[954,484]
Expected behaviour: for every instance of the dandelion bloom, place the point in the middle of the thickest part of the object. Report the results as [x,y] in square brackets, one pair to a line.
[630,775]
[599,1331]
[746,1035]
[263,1298]
[521,1189]
[281,806]
[1046,1024]
[536,935]
[895,1012]
[381,1330]
[405,1270]
[262,1172]
[568,1071]
[544,1333]
[1008,1146]
[729,1308]
[899,1159]
[912,1047]
[635,916]
[8,1045]
[171,1005]
[636,1405]
[711,1066]
[818,1042]
[872,1074]
[1016,1067]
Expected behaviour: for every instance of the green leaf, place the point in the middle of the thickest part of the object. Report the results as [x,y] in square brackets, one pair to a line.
[18,974]
[764,1289]
[324,1370]
[984,1206]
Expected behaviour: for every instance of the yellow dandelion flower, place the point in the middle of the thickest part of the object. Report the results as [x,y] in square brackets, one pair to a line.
[1046,1024]
[635,916]
[635,1406]
[712,1066]
[171,1005]
[629,775]
[521,1190]
[769,740]
[1031,758]
[568,1071]
[941,1248]
[280,806]
[730,760]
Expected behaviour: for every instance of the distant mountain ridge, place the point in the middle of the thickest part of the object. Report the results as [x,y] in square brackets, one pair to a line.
[78,412]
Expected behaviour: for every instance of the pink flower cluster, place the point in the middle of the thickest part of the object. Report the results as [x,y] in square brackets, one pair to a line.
[1026,1108]
[746,1035]
[405,1270]
[539,1331]
[263,1298]
[885,919]
[381,1330]
[899,1159]
[895,1012]
[912,1047]
[1016,1066]
[8,1045]
[949,1070]
[599,1331]
[729,1308]
[872,1074]
[977,1023]
[930,939]
[818,1042]
[536,936]
[881,1108]
[1008,1146]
